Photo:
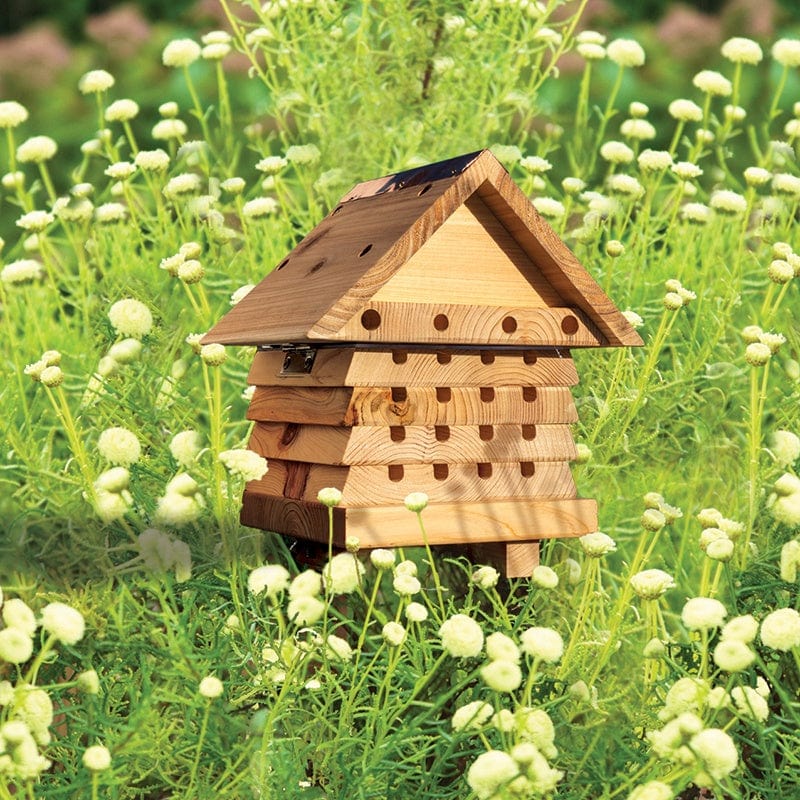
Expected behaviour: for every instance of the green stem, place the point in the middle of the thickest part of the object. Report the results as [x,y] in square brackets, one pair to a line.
[606,118]
[198,109]
[590,582]
[58,400]
[199,750]
[12,150]
[758,396]
[434,572]
[126,126]
[47,181]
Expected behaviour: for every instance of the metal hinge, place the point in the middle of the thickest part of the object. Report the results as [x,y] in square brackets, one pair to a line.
[297,360]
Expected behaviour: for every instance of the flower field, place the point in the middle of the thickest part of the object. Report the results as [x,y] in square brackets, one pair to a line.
[152,647]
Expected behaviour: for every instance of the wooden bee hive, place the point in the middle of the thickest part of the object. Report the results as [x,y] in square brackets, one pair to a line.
[418,339]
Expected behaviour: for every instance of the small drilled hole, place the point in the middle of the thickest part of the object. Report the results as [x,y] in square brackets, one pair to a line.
[443,394]
[529,393]
[569,325]
[440,322]
[365,251]
[444,358]
[395,472]
[440,471]
[398,433]
[442,432]
[370,320]
[424,189]
[282,264]
[486,432]
[399,356]
[484,470]
[509,324]
[528,432]
[487,394]
[487,357]
[526,469]
[399,394]
[529,357]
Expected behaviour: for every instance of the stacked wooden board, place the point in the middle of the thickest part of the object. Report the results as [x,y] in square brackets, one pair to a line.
[418,340]
[492,458]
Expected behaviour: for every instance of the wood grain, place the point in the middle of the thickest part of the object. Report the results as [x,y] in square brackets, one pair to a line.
[364,486]
[382,445]
[365,241]
[517,521]
[365,406]
[327,266]
[556,261]
[469,259]
[487,325]
[348,366]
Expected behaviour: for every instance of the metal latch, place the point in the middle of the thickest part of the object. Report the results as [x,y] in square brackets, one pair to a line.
[298,360]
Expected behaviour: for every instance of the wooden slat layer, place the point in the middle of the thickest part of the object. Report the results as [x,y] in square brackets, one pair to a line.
[451,323]
[515,521]
[375,445]
[349,366]
[371,486]
[458,406]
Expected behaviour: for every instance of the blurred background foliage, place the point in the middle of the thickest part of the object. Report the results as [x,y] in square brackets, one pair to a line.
[45,47]
[70,15]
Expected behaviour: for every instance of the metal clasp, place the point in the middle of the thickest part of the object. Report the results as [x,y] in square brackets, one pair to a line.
[297,360]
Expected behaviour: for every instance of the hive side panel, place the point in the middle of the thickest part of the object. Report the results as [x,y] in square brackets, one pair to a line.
[292,517]
[369,486]
[371,368]
[448,323]
[444,444]
[417,406]
[323,405]
[515,522]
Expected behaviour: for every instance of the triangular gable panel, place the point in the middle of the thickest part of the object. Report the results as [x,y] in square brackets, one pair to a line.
[556,261]
[473,260]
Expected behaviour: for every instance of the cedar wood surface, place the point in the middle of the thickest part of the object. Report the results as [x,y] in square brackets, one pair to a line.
[335,271]
[388,485]
[348,366]
[461,405]
[514,521]
[453,323]
[418,444]
[449,255]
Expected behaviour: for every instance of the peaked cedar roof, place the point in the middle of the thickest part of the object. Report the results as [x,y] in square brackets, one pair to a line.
[375,228]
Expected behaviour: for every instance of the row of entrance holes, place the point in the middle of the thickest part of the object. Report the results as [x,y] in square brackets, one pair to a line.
[441,471]
[487,357]
[444,394]
[442,433]
[371,321]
